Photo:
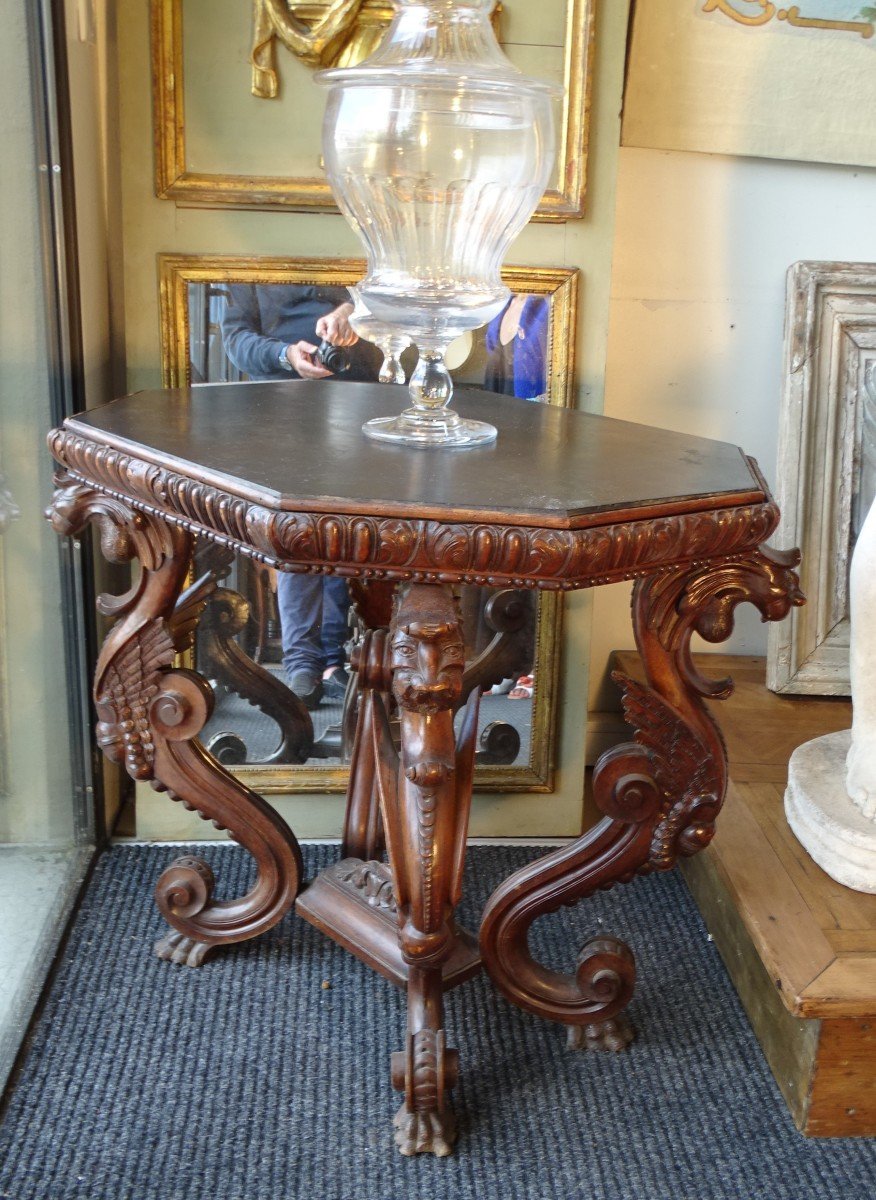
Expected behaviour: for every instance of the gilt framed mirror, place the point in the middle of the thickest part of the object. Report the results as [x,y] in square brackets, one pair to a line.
[231,80]
[212,307]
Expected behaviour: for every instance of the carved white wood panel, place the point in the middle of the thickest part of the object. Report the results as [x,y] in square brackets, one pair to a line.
[830,336]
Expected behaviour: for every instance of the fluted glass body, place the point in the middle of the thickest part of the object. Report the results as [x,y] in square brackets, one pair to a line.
[438,150]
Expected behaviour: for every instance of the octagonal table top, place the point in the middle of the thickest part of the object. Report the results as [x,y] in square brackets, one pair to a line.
[299,445]
[283,472]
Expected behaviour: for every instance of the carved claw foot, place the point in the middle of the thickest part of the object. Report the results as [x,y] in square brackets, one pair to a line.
[185,888]
[184,951]
[424,1132]
[614,1035]
[425,1072]
[606,975]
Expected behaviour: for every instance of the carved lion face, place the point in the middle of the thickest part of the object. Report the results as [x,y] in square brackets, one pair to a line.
[428,659]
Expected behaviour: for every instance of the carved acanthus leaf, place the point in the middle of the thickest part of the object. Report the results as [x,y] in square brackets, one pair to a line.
[420,550]
[374,879]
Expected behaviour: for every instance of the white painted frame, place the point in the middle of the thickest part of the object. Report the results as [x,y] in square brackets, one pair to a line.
[830,334]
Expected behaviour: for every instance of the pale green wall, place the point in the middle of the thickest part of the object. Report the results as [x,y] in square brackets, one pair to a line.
[151,226]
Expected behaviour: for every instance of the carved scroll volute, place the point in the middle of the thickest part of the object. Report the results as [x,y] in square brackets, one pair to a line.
[150,716]
[178,713]
[221,657]
[510,614]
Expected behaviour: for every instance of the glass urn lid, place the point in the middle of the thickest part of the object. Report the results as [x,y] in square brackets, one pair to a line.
[438,150]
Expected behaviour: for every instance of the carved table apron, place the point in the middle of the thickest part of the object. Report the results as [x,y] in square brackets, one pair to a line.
[563,500]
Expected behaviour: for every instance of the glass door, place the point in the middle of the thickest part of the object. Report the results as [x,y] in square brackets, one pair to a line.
[47,829]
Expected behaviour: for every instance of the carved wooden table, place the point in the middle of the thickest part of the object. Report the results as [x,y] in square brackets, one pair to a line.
[281,472]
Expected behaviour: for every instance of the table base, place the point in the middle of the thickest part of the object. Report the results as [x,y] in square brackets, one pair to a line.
[660,794]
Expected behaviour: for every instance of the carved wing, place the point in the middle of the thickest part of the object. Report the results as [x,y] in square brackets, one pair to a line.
[124,690]
[188,610]
[681,759]
[684,770]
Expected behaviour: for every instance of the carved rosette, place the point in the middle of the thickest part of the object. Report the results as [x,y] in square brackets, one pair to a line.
[661,795]
[418,550]
[150,716]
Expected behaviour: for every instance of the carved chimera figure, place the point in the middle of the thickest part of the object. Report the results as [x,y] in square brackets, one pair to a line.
[425,798]
[149,716]
[661,795]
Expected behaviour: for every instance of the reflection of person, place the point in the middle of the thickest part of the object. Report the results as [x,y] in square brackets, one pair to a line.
[516,342]
[271,332]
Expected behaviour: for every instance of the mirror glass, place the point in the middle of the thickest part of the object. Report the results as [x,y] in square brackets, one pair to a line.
[275,645]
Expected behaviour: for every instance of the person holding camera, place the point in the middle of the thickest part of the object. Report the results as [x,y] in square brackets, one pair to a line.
[292,331]
[281,331]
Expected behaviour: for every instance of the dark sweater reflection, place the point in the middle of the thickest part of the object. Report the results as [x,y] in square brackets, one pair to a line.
[266,329]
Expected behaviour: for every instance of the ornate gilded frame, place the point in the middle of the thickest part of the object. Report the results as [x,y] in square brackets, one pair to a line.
[175,181]
[177,271]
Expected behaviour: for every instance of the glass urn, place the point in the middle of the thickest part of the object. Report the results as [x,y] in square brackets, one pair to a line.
[438,151]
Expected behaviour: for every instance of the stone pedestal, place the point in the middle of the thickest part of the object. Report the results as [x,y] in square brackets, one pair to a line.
[825,821]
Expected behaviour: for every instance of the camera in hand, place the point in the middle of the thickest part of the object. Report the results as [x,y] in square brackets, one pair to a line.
[333,358]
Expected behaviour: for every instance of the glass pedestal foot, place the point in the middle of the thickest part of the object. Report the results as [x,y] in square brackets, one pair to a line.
[445,428]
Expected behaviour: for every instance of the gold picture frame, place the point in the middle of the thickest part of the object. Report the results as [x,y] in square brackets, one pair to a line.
[178,272]
[178,179]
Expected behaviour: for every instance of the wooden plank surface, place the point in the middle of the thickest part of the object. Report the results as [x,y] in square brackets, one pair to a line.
[852,941]
[780,922]
[789,1044]
[833,905]
[845,988]
[842,1099]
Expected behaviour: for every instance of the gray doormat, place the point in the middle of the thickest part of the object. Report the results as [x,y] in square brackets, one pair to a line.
[248,1080]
